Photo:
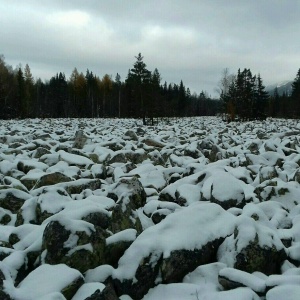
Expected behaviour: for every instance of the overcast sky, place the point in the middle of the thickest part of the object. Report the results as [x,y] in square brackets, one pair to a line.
[192,40]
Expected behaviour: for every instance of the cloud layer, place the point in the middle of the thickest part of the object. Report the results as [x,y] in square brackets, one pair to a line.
[189,40]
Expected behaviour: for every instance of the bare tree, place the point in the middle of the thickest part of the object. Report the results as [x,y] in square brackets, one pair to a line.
[225,82]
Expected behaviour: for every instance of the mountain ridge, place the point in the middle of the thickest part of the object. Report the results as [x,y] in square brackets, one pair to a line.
[282,87]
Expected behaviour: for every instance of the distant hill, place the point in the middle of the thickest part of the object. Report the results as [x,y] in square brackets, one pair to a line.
[282,87]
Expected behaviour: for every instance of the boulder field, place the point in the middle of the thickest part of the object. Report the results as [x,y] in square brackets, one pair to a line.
[192,208]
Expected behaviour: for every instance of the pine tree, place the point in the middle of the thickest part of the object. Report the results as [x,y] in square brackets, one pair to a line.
[140,77]
[261,99]
[118,83]
[245,97]
[21,93]
[182,99]
[296,85]
[106,88]
[8,90]
[29,91]
[78,88]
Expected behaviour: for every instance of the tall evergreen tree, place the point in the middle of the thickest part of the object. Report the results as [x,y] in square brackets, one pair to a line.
[21,93]
[140,77]
[106,87]
[181,99]
[261,99]
[118,84]
[29,91]
[8,90]
[246,96]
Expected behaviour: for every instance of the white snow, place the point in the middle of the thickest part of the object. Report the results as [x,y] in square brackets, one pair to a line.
[186,229]
[87,290]
[255,283]
[286,292]
[73,159]
[44,280]
[126,235]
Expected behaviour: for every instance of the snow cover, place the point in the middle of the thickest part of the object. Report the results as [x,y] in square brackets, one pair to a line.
[188,229]
[44,280]
[87,290]
[183,165]
[246,279]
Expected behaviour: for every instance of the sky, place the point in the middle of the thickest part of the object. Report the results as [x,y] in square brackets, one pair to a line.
[188,40]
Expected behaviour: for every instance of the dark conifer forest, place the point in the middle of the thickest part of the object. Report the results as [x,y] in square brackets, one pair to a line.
[142,94]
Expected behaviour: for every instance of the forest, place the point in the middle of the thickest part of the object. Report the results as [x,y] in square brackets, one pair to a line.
[141,95]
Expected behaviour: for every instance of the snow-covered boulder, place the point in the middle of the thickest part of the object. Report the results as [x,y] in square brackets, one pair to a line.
[117,244]
[3,294]
[95,291]
[80,139]
[287,292]
[75,243]
[27,165]
[231,279]
[129,195]
[48,280]
[253,247]
[79,185]
[12,199]
[226,190]
[51,179]
[184,240]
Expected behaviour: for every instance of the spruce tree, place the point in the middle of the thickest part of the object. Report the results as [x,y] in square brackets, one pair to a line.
[21,93]
[118,83]
[181,99]
[29,91]
[140,77]
[261,99]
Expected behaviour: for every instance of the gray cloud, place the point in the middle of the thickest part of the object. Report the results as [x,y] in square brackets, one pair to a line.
[189,40]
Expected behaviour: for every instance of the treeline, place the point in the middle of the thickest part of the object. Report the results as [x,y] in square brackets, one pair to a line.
[141,95]
[286,105]
[244,97]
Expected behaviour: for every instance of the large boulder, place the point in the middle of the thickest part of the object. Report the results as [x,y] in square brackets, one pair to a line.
[184,240]
[226,190]
[47,280]
[253,247]
[79,185]
[12,199]
[51,201]
[80,139]
[27,165]
[51,179]
[76,243]
[231,279]
[117,244]
[129,195]
[3,293]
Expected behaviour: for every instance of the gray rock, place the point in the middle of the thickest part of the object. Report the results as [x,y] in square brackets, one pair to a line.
[39,152]
[251,253]
[80,139]
[78,254]
[51,179]
[153,143]
[131,135]
[12,199]
[124,214]
[3,294]
[181,262]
